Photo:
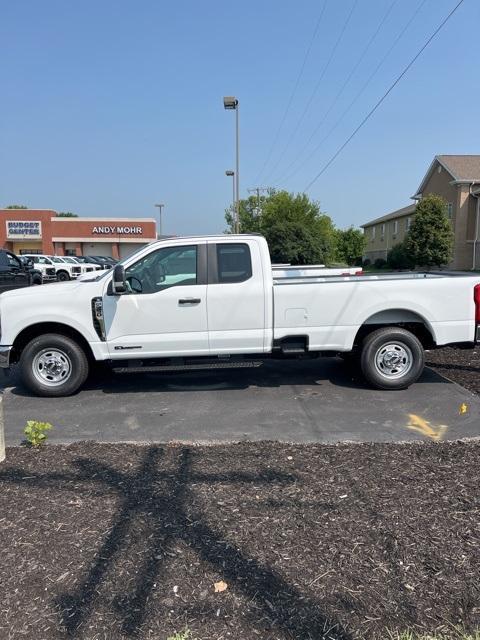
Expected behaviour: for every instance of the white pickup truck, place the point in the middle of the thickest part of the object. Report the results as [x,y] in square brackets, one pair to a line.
[214,301]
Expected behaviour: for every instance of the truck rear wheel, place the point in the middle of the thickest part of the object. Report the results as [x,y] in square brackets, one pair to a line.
[392,358]
[53,365]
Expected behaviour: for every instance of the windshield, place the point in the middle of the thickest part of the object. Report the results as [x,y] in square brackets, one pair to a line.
[55,259]
[69,260]
[40,259]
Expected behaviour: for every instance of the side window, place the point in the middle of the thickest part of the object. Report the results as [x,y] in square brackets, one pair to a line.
[13,261]
[162,269]
[234,262]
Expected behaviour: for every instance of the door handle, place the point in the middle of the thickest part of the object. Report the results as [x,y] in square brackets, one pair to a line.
[187,301]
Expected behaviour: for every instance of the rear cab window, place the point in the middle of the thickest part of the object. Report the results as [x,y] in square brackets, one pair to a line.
[234,262]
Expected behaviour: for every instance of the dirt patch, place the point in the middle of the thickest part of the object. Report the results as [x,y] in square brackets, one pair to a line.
[339,542]
[459,365]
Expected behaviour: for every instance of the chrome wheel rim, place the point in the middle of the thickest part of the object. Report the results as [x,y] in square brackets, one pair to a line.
[52,367]
[393,360]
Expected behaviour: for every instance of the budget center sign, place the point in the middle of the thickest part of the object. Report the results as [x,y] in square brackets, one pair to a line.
[24,229]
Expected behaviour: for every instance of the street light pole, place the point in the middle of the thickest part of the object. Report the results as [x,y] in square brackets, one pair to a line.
[237,179]
[231,174]
[160,207]
[230,102]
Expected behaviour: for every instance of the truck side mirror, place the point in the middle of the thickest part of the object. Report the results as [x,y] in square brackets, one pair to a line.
[29,264]
[119,284]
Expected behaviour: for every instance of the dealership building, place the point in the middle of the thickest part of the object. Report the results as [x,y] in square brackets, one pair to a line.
[44,231]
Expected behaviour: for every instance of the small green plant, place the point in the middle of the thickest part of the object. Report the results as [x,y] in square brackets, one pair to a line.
[182,635]
[35,432]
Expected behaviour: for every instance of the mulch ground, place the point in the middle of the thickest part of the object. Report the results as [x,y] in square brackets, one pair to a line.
[459,365]
[302,542]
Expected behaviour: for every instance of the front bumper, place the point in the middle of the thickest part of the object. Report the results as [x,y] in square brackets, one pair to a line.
[5,357]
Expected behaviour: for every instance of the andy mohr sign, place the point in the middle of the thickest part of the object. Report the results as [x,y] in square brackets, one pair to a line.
[119,230]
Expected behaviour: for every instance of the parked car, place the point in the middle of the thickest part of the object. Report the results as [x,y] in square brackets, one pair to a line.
[36,274]
[210,300]
[88,264]
[45,265]
[102,261]
[66,270]
[14,273]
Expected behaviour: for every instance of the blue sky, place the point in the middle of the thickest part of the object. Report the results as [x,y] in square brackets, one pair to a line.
[108,107]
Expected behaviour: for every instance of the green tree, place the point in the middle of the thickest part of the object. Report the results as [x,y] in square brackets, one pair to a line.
[429,241]
[66,214]
[350,245]
[16,206]
[293,225]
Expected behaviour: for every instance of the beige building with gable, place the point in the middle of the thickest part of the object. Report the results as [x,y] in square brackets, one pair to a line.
[457,180]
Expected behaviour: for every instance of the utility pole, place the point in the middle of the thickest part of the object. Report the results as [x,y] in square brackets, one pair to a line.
[258,191]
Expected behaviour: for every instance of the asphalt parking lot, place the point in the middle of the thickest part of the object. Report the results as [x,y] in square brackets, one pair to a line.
[290,401]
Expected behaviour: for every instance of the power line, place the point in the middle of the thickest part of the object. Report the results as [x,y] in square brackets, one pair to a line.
[317,86]
[389,90]
[359,93]
[342,88]
[294,91]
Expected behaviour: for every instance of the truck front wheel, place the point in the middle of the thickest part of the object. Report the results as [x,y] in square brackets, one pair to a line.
[392,358]
[63,276]
[53,365]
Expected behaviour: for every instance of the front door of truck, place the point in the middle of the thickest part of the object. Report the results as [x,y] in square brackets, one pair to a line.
[164,312]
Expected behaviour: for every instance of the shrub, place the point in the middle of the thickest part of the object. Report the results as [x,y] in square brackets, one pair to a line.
[379,263]
[35,432]
[367,262]
[399,258]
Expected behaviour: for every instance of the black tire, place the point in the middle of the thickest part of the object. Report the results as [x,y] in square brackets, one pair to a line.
[395,368]
[56,349]
[37,280]
[62,276]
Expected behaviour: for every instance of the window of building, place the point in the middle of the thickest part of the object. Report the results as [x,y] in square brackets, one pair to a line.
[408,224]
[450,210]
[162,269]
[234,262]
[373,233]
[383,230]
[395,227]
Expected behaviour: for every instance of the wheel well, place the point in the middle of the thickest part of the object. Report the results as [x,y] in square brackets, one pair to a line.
[42,328]
[397,318]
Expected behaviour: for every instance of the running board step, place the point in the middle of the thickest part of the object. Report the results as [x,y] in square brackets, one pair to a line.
[187,367]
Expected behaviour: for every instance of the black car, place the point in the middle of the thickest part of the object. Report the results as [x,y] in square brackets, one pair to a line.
[13,272]
[103,262]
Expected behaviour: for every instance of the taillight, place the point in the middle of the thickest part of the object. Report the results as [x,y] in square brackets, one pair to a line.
[476,297]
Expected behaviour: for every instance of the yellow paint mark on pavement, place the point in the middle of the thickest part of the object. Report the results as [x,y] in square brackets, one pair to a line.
[463,409]
[416,423]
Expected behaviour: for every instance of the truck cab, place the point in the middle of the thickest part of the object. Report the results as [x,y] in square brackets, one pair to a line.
[13,273]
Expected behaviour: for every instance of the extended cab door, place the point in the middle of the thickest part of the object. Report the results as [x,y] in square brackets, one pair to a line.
[236,298]
[164,313]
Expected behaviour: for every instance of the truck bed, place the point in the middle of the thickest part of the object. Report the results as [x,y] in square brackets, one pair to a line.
[327,310]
